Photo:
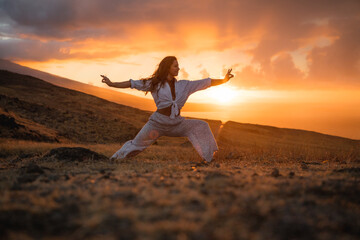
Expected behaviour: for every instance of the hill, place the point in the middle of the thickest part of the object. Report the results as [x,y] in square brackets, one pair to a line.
[63,113]
[108,94]
[283,144]
[33,109]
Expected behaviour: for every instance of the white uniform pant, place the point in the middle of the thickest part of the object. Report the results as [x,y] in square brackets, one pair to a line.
[197,131]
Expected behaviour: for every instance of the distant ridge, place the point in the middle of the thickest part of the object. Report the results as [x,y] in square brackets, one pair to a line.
[244,134]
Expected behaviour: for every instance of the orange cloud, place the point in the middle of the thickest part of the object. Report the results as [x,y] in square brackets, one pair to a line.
[269,32]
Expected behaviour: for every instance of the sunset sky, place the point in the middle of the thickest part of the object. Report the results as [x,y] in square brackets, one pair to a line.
[280,51]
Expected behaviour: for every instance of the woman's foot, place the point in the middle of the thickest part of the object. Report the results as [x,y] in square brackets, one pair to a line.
[203,163]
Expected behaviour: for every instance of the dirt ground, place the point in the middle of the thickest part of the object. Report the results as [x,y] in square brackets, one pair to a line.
[55,195]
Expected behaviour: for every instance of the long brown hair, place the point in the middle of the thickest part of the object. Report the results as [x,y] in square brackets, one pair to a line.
[161,73]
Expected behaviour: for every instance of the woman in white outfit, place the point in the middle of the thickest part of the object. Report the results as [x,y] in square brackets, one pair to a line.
[170,96]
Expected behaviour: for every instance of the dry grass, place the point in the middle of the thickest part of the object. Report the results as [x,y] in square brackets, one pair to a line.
[162,193]
[265,143]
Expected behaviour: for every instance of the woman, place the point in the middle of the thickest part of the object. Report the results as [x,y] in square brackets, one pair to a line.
[170,96]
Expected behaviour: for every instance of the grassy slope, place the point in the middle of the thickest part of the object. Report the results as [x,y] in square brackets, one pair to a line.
[75,116]
[284,144]
[163,194]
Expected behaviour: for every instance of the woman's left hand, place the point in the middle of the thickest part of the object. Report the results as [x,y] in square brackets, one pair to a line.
[105,79]
[228,75]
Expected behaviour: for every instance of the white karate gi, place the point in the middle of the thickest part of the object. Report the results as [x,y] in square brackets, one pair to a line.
[197,131]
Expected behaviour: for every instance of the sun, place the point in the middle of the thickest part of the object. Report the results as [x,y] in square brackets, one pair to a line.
[222,94]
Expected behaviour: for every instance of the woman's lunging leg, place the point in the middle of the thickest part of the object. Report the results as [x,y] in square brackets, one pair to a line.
[200,135]
[147,135]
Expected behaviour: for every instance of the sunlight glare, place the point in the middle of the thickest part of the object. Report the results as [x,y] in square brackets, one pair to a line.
[223,94]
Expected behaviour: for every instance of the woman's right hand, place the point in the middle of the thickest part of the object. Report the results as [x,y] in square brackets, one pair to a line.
[105,80]
[228,75]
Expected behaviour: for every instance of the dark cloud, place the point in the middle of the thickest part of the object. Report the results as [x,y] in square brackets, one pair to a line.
[42,30]
[20,49]
[39,13]
[341,60]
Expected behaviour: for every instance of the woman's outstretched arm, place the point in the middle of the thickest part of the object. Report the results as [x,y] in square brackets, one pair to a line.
[124,84]
[227,77]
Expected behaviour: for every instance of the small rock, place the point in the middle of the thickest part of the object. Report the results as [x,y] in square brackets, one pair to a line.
[215,175]
[33,168]
[15,160]
[26,155]
[275,173]
[304,166]
[45,192]
[217,165]
[27,178]
[353,170]
[230,155]
[53,177]
[204,191]
[291,174]
[16,186]
[78,154]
